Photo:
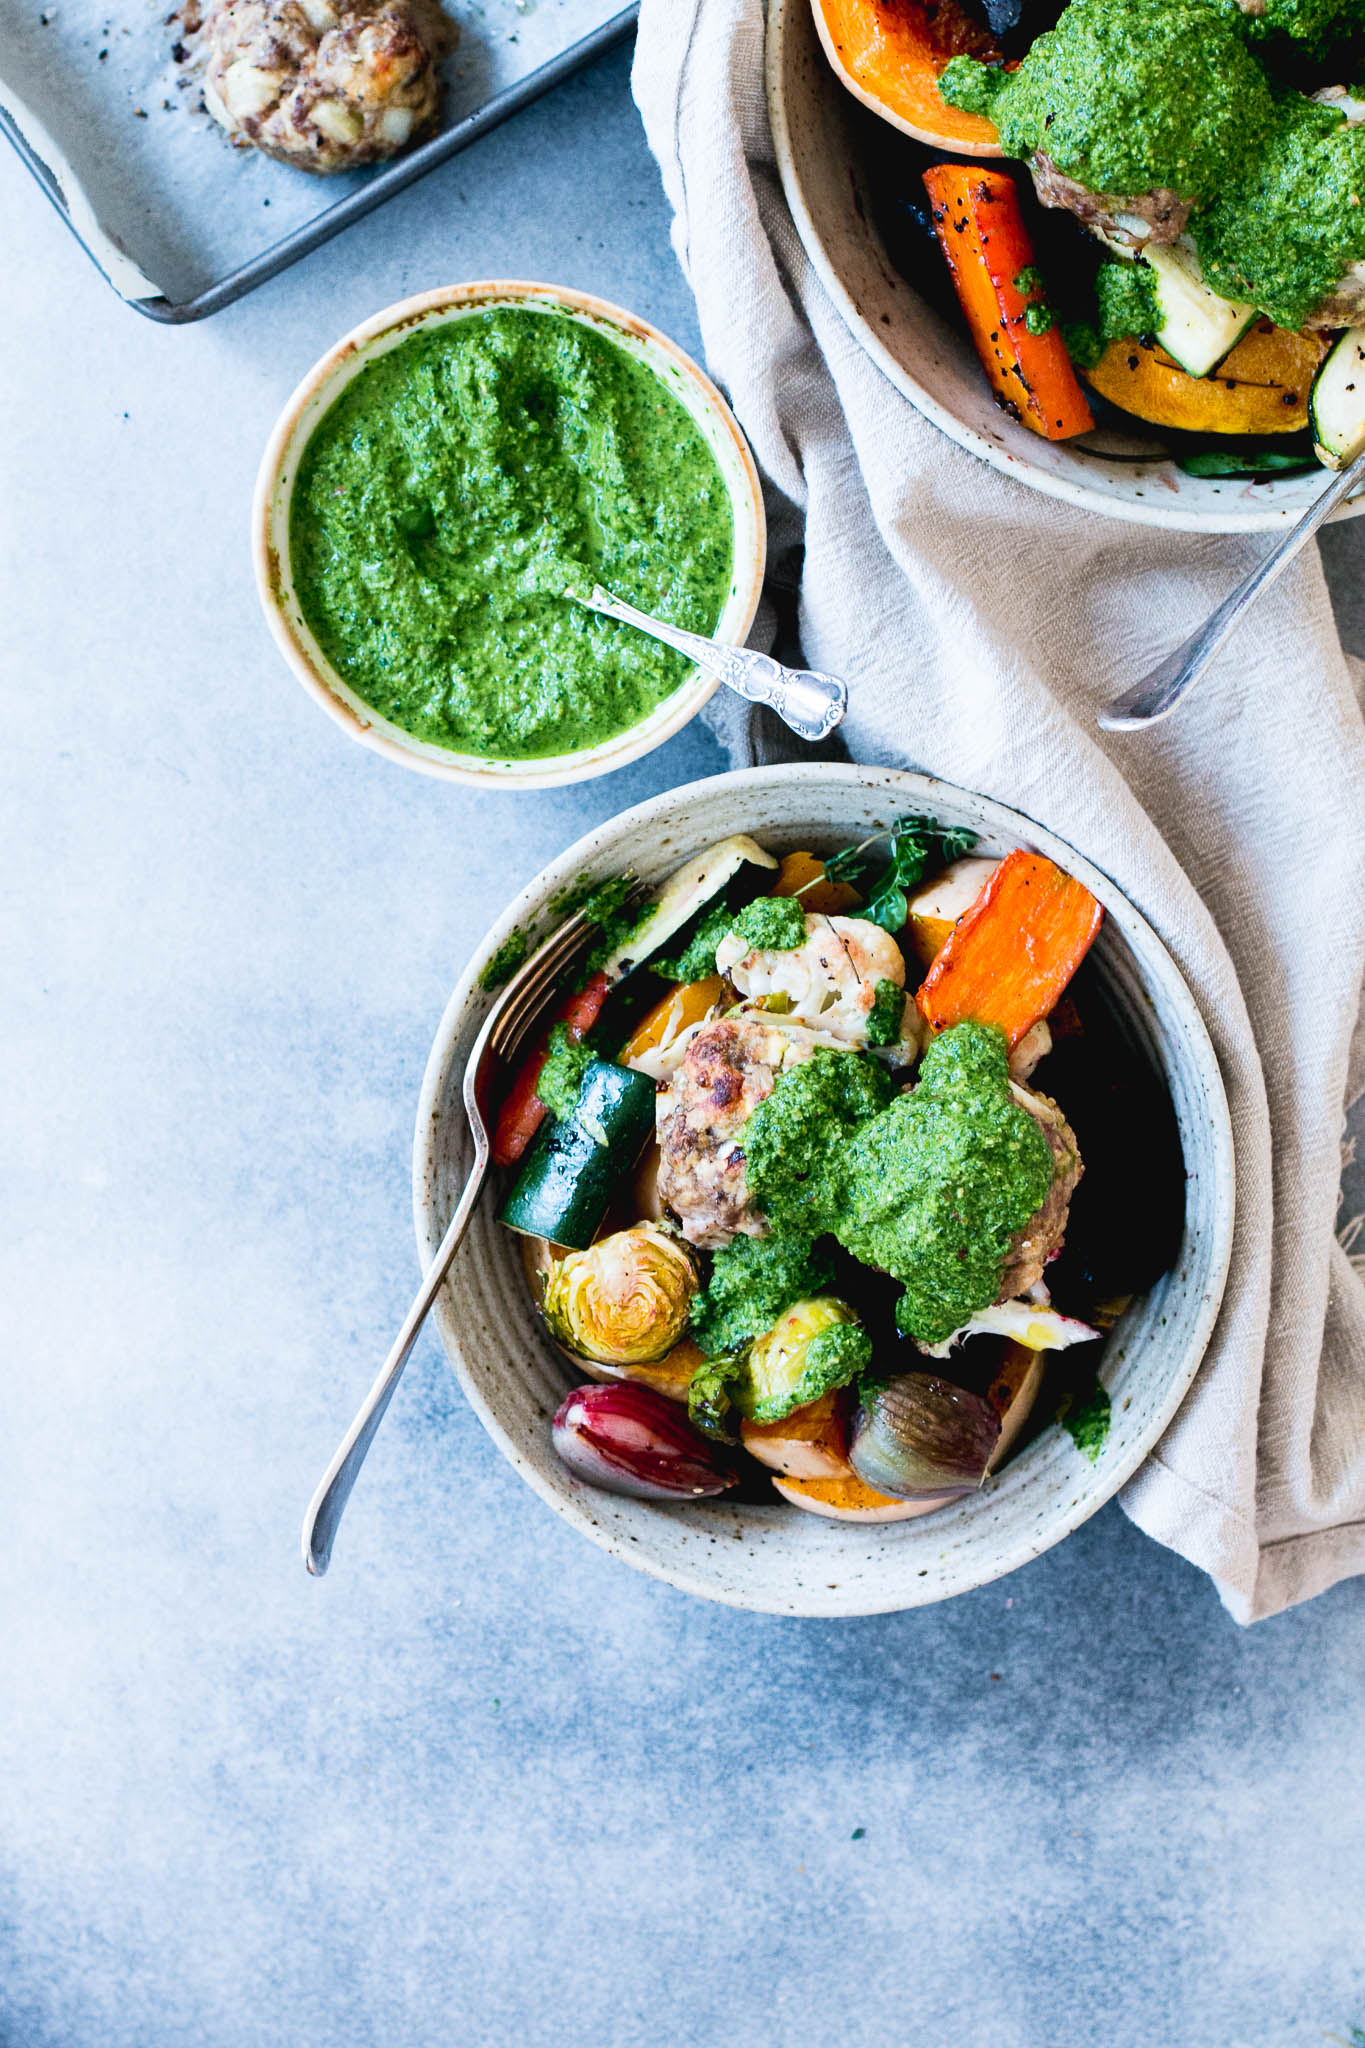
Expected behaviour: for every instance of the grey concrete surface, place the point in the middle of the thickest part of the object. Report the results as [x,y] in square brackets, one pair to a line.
[482,1785]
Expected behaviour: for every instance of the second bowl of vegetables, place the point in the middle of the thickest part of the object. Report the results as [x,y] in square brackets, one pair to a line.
[1185,246]
[830,1171]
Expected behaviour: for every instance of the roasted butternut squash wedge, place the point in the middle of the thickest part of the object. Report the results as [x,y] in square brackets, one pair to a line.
[936,906]
[681,1007]
[848,1500]
[810,1443]
[669,1376]
[803,875]
[1012,1394]
[889,54]
[1261,387]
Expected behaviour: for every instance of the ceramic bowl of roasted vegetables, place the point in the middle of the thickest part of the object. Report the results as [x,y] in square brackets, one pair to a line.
[1116,247]
[861,1198]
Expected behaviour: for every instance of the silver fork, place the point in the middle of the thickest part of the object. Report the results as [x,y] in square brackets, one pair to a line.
[1158,693]
[511,1016]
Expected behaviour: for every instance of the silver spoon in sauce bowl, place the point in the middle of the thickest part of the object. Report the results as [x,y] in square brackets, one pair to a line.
[811,703]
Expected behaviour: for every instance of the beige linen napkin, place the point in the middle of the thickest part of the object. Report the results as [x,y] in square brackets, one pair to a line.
[980,624]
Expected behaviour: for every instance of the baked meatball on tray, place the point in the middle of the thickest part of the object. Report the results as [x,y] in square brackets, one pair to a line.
[195,154]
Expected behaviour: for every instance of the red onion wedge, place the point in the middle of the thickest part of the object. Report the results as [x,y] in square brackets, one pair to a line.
[629,1439]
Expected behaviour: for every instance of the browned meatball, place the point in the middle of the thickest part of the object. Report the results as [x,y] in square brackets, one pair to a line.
[1041,1236]
[729,1068]
[324,85]
[1344,305]
[1164,213]
[1137,219]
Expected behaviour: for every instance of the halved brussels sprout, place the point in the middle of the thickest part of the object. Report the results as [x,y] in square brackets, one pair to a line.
[810,1443]
[626,1299]
[814,1347]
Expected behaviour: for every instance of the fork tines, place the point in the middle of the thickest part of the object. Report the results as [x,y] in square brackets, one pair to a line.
[524,996]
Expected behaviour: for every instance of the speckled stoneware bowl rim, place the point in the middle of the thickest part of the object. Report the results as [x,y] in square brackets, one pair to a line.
[324,383]
[778,1559]
[932,364]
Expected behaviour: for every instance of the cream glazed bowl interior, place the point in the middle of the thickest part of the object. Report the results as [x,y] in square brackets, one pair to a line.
[778,1559]
[321,388]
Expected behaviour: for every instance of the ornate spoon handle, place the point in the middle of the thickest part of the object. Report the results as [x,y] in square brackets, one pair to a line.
[812,704]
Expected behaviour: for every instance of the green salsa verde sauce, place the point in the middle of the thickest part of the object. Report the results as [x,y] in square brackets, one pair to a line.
[509,957]
[1134,96]
[560,1081]
[753,1281]
[929,1186]
[798,1140]
[1127,95]
[453,493]
[1284,230]
[1087,1420]
[771,924]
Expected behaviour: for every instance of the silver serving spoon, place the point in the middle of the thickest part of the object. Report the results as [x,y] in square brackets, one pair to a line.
[812,704]
[1163,687]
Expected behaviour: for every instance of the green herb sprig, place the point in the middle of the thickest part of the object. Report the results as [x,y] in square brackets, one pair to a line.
[919,846]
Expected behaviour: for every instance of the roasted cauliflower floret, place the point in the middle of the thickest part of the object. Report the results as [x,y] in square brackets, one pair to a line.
[325,85]
[828,982]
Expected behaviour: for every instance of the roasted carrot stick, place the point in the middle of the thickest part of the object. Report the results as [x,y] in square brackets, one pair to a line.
[1014,951]
[990,256]
[523,1112]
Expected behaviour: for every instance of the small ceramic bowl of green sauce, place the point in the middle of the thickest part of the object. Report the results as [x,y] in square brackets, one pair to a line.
[440,480]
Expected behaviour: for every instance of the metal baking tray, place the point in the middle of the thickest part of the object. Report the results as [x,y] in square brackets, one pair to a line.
[180,222]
